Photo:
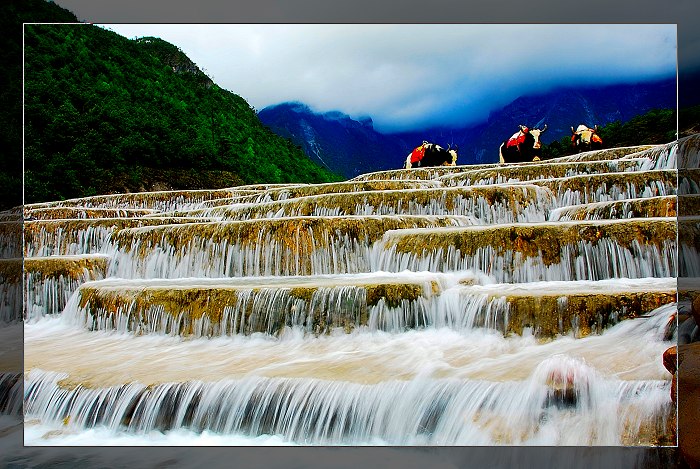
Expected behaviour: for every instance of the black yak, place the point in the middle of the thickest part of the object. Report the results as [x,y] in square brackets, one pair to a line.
[430,154]
[524,145]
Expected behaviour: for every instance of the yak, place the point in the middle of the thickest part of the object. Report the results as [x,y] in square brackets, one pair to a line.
[524,145]
[584,138]
[431,154]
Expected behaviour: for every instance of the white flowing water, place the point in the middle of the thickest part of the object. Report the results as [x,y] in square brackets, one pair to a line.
[432,386]
[379,311]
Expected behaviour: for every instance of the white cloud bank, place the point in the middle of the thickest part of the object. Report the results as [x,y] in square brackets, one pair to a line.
[406,76]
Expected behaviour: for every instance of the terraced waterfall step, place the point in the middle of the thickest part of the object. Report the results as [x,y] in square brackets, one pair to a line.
[11,277]
[526,252]
[160,200]
[536,171]
[276,246]
[50,281]
[688,246]
[652,207]
[52,213]
[11,239]
[493,204]
[379,301]
[347,389]
[211,307]
[440,171]
[334,188]
[82,236]
[591,188]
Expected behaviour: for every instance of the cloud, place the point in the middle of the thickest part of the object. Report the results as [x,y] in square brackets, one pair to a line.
[409,75]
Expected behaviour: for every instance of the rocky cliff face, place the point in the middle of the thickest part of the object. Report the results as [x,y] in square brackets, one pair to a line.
[172,55]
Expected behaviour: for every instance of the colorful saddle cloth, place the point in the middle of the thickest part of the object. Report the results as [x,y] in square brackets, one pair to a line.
[517,138]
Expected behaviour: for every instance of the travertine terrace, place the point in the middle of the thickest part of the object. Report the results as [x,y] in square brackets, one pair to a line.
[470,305]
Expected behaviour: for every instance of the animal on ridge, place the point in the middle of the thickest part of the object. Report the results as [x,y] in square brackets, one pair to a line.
[431,154]
[523,145]
[584,138]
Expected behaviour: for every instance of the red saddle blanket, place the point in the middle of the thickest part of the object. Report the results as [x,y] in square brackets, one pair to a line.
[516,139]
[417,154]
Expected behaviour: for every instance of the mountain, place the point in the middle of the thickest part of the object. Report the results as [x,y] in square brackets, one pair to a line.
[106,114]
[351,147]
[335,140]
[563,108]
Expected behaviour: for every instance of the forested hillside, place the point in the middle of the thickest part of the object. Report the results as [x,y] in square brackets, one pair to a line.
[15,13]
[107,114]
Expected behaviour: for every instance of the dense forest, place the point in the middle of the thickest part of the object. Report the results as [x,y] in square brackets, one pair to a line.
[108,114]
[15,13]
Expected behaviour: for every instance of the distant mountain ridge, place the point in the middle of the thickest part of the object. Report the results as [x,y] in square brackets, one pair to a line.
[333,139]
[563,108]
[351,147]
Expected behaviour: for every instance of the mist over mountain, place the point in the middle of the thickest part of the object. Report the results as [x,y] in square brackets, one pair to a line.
[351,147]
[335,140]
[561,109]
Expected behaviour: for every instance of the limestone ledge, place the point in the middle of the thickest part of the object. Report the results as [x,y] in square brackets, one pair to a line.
[72,267]
[437,172]
[610,153]
[51,237]
[51,213]
[187,305]
[662,182]
[322,303]
[689,152]
[143,200]
[298,234]
[649,207]
[543,240]
[442,201]
[542,170]
[10,239]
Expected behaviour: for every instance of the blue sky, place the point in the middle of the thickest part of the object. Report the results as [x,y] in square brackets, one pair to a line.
[407,76]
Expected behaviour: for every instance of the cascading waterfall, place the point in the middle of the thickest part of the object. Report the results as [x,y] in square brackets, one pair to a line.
[82,236]
[523,304]
[560,400]
[11,394]
[372,302]
[534,253]
[660,157]
[10,290]
[534,172]
[262,247]
[436,412]
[577,190]
[50,281]
[496,204]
